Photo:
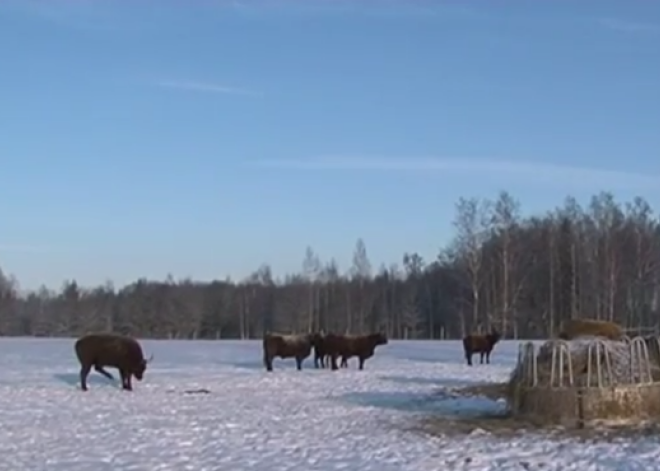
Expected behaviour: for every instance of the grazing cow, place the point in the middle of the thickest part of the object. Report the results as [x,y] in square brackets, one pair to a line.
[298,346]
[113,350]
[481,344]
[347,346]
[574,328]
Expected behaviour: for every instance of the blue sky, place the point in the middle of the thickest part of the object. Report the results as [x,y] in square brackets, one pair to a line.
[204,138]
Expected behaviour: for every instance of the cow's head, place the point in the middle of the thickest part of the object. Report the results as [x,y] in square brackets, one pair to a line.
[139,370]
[378,338]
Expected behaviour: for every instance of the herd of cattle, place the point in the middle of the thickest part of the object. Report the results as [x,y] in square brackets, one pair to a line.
[327,347]
[100,350]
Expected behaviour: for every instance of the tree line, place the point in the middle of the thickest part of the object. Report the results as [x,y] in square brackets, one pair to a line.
[521,275]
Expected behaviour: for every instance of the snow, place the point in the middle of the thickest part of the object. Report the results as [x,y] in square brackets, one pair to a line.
[285,420]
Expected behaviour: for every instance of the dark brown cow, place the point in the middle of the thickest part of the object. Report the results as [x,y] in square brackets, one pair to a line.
[113,350]
[481,344]
[347,346]
[298,346]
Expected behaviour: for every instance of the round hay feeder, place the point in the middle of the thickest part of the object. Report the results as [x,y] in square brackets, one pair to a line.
[587,382]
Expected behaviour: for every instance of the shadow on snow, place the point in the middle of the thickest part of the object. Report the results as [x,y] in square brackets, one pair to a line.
[440,381]
[401,401]
[446,406]
[73,379]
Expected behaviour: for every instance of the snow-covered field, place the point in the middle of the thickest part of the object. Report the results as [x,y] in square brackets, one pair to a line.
[252,420]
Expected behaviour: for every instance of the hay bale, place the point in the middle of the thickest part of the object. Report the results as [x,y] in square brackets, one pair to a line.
[626,367]
[630,386]
[627,393]
[575,328]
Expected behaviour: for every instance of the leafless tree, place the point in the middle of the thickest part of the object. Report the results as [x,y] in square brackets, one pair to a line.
[472,225]
[522,274]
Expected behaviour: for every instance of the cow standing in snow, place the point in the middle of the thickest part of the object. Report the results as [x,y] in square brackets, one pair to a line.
[107,349]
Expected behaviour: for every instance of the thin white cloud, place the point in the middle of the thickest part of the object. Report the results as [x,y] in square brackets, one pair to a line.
[94,15]
[626,26]
[488,168]
[205,87]
[86,15]
[397,8]
[19,248]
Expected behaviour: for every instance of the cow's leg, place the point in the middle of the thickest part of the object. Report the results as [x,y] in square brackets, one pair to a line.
[488,357]
[468,357]
[84,371]
[125,380]
[122,376]
[361,365]
[299,361]
[268,362]
[333,361]
[344,362]
[100,369]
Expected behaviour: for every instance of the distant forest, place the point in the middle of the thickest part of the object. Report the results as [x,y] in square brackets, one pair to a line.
[519,275]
